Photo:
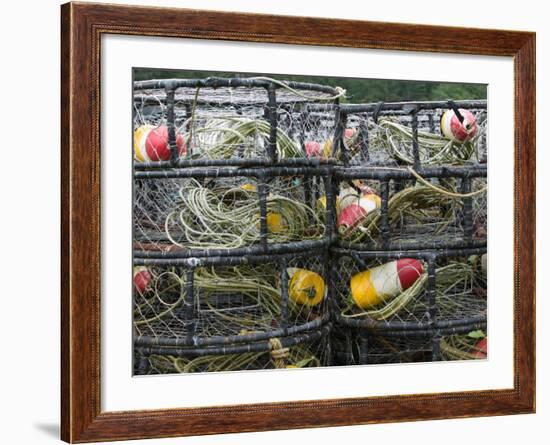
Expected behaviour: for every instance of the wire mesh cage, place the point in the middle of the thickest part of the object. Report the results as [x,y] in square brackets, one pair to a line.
[412,291]
[401,209]
[229,301]
[366,347]
[411,133]
[360,347]
[200,212]
[307,350]
[224,121]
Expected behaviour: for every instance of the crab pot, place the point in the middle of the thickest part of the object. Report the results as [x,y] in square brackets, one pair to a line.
[224,121]
[204,211]
[305,350]
[404,295]
[376,349]
[370,347]
[230,304]
[410,133]
[400,209]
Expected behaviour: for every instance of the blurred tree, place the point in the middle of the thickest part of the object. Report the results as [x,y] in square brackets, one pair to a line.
[358,90]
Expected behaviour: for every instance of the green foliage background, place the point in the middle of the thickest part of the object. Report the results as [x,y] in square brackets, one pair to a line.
[358,90]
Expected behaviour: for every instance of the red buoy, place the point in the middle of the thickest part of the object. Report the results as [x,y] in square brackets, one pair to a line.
[350,217]
[156,144]
[481,348]
[142,279]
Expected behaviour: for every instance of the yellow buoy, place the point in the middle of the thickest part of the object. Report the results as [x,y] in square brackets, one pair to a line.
[275,223]
[140,135]
[305,287]
[249,187]
[327,148]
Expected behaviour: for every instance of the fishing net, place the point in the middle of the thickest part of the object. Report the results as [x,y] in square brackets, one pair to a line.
[380,350]
[367,347]
[237,267]
[361,347]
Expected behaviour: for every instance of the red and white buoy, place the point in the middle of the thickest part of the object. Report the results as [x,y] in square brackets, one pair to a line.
[354,213]
[384,282]
[142,279]
[453,129]
[347,196]
[151,143]
[349,133]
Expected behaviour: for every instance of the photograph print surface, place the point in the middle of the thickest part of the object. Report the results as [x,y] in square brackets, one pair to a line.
[284,222]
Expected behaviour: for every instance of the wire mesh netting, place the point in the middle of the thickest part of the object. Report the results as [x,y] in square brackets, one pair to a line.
[359,347]
[362,347]
[318,133]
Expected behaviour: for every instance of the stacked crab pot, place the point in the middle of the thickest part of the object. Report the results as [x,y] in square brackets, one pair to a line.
[275,227]
[230,243]
[410,265]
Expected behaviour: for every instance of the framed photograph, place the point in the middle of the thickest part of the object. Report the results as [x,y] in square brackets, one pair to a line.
[275,222]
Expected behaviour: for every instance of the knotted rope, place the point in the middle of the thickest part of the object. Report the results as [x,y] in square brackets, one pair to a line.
[278,353]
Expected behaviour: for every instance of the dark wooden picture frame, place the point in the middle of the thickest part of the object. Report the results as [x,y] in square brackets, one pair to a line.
[82,26]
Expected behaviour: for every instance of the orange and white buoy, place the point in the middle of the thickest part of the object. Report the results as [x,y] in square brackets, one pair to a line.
[151,143]
[384,282]
[142,279]
[453,129]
